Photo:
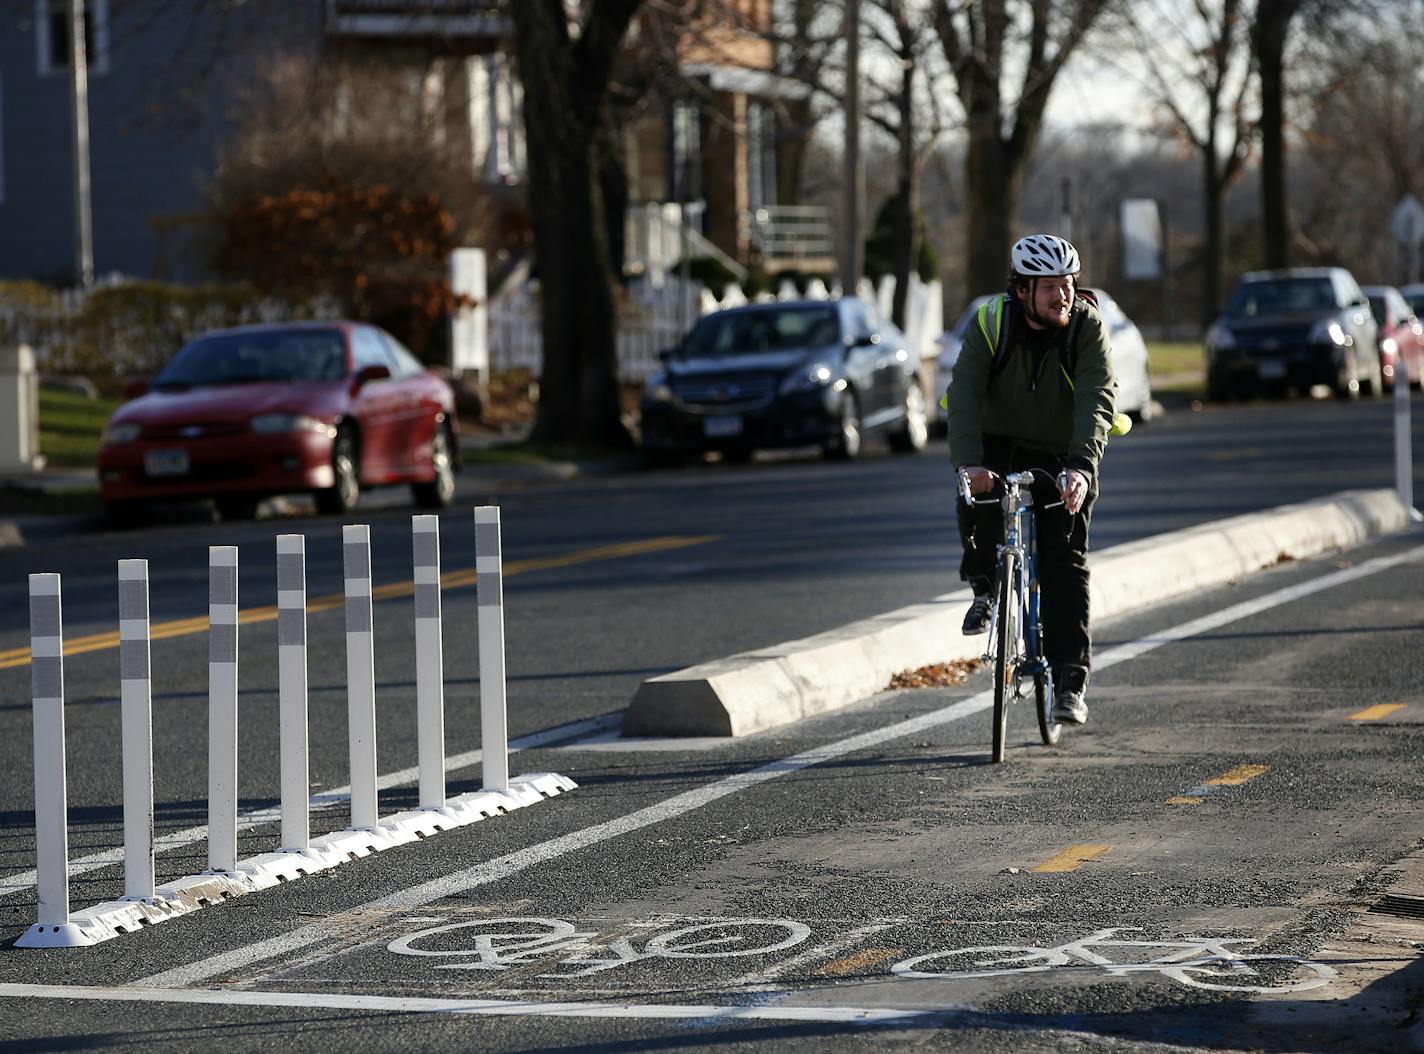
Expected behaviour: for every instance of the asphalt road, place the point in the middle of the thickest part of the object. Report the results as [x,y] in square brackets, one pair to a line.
[764,900]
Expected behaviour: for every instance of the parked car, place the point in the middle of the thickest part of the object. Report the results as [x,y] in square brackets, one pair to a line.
[1414,297]
[796,373]
[1134,392]
[1294,329]
[1401,337]
[242,414]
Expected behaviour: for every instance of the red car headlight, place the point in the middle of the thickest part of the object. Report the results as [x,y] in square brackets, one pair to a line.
[277,424]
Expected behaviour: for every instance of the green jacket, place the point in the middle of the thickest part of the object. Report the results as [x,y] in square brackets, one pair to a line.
[1069,416]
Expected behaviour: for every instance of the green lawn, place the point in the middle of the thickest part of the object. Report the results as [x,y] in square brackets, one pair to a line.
[70,427]
[1177,367]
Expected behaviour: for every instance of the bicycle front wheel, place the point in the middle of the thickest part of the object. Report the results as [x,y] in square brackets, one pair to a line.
[1004,658]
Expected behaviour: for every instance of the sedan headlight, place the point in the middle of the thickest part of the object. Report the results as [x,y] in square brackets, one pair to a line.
[118,435]
[278,424]
[1328,329]
[807,378]
[1219,337]
[657,389]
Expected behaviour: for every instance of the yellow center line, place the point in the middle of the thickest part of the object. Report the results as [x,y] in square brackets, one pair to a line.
[449,580]
[1183,800]
[1239,775]
[1374,713]
[1072,858]
[859,961]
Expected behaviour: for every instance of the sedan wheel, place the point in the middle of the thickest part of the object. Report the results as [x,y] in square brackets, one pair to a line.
[346,466]
[1347,382]
[439,492]
[916,431]
[845,445]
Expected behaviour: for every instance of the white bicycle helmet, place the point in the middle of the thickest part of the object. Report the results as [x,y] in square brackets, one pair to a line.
[1044,256]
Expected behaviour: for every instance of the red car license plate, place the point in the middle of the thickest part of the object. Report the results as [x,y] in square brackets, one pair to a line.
[166,462]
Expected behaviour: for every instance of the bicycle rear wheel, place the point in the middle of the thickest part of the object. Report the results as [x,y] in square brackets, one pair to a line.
[1004,657]
[1043,700]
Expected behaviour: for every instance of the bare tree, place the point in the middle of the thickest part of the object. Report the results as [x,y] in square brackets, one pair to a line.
[1202,80]
[806,43]
[985,41]
[565,76]
[908,113]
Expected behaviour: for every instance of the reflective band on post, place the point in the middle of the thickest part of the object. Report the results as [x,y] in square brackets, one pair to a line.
[429,662]
[360,673]
[292,689]
[136,729]
[494,731]
[222,708]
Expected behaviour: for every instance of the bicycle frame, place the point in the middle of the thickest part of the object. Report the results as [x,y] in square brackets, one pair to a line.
[1020,540]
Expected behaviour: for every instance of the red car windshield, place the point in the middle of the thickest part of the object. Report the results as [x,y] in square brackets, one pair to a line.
[258,356]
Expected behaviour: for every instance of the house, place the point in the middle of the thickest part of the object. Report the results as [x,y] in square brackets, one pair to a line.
[170,82]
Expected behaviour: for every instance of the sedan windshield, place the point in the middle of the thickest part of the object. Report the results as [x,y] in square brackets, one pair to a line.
[772,329]
[262,355]
[1284,296]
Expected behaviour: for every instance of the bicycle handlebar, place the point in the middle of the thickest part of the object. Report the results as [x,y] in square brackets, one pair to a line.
[1014,479]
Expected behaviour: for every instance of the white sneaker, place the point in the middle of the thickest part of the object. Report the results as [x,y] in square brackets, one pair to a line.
[1070,708]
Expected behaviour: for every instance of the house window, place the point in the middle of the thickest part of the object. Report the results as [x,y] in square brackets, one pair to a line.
[686,152]
[495,104]
[52,36]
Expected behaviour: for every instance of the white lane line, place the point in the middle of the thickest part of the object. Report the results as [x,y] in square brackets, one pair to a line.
[848,1015]
[591,728]
[513,863]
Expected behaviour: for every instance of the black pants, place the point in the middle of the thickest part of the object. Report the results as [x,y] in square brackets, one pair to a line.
[1062,556]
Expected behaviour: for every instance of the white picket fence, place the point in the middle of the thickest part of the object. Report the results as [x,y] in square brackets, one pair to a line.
[652,317]
[145,903]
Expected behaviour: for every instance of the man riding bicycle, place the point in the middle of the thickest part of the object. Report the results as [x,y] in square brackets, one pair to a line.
[1034,387]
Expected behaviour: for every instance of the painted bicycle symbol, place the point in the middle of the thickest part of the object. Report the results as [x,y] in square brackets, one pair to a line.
[1201,962]
[499,944]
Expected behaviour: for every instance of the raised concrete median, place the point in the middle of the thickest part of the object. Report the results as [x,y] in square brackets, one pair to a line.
[772,686]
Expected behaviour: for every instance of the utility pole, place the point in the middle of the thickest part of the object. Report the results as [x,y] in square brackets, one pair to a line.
[79,94]
[855,171]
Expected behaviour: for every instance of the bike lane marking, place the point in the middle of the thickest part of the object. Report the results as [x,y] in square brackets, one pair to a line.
[500,868]
[1374,713]
[1070,859]
[108,639]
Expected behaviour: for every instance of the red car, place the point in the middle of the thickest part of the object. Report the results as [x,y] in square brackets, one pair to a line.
[1401,336]
[242,414]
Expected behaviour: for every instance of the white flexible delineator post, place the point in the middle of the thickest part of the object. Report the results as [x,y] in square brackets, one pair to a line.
[292,689]
[222,708]
[53,927]
[429,662]
[136,729]
[489,585]
[1403,443]
[360,673]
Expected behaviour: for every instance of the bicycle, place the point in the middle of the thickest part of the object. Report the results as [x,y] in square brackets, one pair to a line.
[1015,625]
[1199,962]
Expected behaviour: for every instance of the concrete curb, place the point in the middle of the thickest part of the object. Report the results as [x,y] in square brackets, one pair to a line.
[772,686]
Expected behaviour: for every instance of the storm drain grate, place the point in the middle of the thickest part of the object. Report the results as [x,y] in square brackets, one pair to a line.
[1404,907]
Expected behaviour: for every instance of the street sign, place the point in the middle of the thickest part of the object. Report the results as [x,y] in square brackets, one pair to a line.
[1141,239]
[1406,222]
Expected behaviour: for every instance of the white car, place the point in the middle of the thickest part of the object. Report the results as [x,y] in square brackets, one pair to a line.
[1134,391]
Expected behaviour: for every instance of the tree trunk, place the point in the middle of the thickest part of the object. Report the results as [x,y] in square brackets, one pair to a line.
[1213,193]
[994,180]
[564,86]
[907,197]
[1268,40]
